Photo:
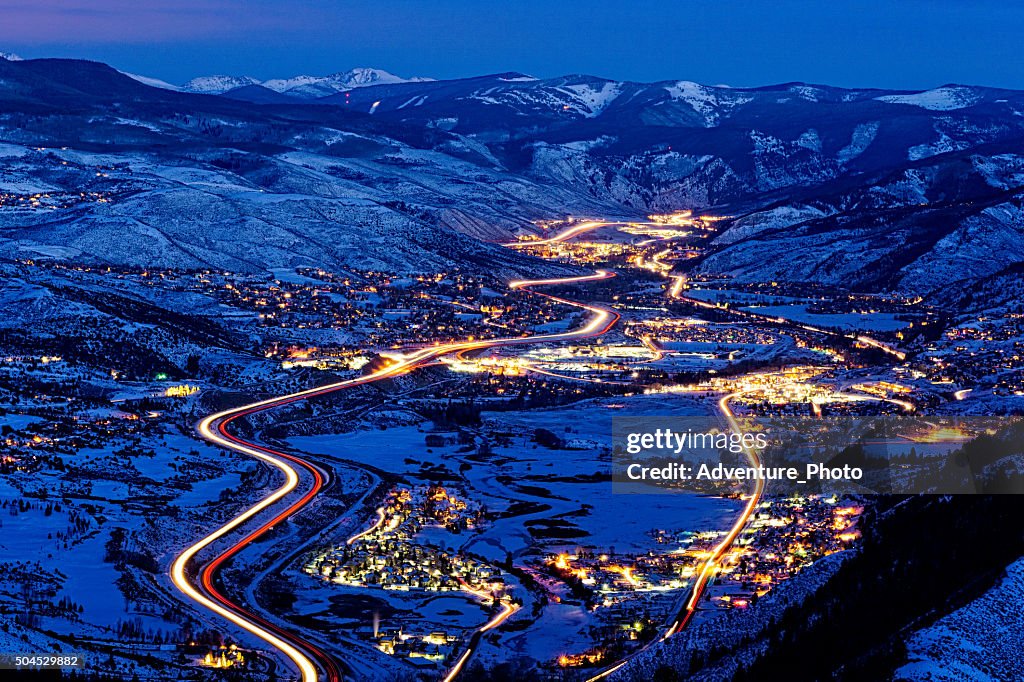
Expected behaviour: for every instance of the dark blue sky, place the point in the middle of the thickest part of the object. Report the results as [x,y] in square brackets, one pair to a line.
[894,43]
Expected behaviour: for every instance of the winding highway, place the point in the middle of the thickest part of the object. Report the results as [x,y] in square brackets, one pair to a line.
[311,662]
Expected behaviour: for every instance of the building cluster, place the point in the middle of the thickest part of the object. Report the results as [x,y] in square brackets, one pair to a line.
[50,200]
[224,656]
[626,595]
[430,648]
[371,308]
[987,350]
[46,443]
[693,330]
[584,253]
[629,595]
[389,556]
[785,535]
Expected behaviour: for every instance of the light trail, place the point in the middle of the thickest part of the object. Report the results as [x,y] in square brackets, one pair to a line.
[653,347]
[507,608]
[656,264]
[711,564]
[677,287]
[867,397]
[526,283]
[884,347]
[569,233]
[214,429]
[377,524]
[302,661]
[591,225]
[532,369]
[457,668]
[627,574]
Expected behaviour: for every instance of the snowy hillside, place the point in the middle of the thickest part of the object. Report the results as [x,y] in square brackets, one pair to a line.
[981,641]
[204,182]
[743,633]
[944,223]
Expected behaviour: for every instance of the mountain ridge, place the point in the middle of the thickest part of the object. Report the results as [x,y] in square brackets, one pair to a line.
[486,156]
[300,87]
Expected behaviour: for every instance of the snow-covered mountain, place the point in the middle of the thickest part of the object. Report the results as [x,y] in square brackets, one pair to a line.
[304,87]
[215,85]
[154,82]
[937,226]
[10,56]
[979,641]
[191,181]
[865,188]
[317,86]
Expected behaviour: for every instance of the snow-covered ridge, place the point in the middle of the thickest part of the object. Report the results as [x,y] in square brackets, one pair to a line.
[152,82]
[319,86]
[595,99]
[214,85]
[10,56]
[298,86]
[705,100]
[940,99]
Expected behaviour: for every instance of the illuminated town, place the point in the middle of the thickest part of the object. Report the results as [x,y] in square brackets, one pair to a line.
[333,379]
[409,545]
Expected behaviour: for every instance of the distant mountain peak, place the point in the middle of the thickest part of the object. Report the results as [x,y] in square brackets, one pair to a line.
[10,56]
[320,86]
[364,75]
[215,85]
[945,98]
[302,86]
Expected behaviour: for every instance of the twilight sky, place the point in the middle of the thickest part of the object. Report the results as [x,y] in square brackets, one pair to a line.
[884,43]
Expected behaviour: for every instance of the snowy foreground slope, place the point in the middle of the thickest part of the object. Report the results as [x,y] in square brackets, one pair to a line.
[981,641]
[743,632]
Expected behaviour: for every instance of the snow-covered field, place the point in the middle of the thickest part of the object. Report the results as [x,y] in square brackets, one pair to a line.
[878,322]
[558,485]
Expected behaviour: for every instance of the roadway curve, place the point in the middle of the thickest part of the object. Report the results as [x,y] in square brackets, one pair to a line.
[711,564]
[309,659]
